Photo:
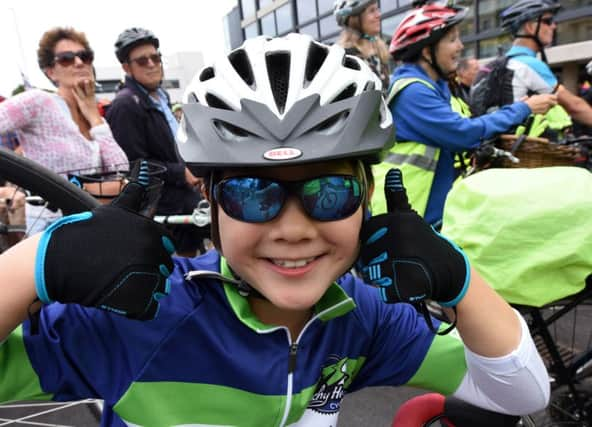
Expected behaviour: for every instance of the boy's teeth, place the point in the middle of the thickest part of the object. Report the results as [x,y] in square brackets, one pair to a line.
[292,264]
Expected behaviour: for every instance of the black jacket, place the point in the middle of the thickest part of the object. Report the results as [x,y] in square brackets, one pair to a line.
[143,132]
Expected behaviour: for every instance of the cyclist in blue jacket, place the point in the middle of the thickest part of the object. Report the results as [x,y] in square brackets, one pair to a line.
[429,132]
[268,329]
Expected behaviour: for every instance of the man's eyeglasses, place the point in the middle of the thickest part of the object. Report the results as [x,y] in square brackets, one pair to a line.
[550,20]
[142,61]
[258,200]
[67,58]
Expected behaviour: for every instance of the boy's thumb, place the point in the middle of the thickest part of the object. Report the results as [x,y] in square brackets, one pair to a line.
[394,192]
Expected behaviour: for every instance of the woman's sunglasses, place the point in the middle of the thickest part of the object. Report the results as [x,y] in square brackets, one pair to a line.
[67,58]
[257,200]
[142,61]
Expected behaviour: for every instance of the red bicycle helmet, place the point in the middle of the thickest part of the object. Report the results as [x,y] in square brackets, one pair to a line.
[422,27]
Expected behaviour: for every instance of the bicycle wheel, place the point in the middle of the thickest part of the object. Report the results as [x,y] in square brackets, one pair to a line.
[564,339]
[47,189]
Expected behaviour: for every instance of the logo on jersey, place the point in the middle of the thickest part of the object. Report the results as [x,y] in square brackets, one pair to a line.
[335,378]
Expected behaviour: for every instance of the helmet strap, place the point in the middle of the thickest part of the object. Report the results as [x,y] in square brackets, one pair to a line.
[536,39]
[433,63]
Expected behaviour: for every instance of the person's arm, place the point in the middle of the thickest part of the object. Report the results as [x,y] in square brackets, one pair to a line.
[430,119]
[20,110]
[409,262]
[486,323]
[17,276]
[576,107]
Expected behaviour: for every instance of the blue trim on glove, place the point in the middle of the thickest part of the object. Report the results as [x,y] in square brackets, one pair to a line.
[40,286]
[465,287]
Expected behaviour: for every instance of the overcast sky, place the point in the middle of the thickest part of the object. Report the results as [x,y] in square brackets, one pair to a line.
[181,25]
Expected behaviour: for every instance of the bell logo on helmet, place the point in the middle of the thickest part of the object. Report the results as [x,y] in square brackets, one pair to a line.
[282,153]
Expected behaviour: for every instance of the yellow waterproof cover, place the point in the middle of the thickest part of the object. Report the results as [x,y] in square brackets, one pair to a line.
[527,231]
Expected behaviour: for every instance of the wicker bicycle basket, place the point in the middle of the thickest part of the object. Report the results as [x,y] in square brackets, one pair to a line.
[538,152]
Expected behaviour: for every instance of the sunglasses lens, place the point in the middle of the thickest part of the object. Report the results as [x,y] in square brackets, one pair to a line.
[142,61]
[250,199]
[86,56]
[257,200]
[65,59]
[331,198]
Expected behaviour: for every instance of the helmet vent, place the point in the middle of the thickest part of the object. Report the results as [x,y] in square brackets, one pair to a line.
[229,131]
[242,65]
[192,98]
[278,69]
[316,58]
[207,74]
[215,102]
[333,124]
[348,92]
[350,62]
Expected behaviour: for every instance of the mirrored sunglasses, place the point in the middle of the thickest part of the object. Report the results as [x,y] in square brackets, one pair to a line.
[67,58]
[142,61]
[258,200]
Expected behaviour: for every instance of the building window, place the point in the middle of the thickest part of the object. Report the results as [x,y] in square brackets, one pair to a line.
[306,10]
[264,3]
[387,5]
[171,84]
[283,17]
[248,7]
[390,24]
[489,13]
[492,47]
[467,26]
[470,50]
[251,31]
[574,31]
[311,29]
[325,6]
[268,25]
[329,25]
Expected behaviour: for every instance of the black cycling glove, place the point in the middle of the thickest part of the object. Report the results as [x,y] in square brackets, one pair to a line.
[409,261]
[111,258]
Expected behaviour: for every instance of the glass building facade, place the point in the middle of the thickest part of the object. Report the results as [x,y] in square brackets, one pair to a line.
[481,31]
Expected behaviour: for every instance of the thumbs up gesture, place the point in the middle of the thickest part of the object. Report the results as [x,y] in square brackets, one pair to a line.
[111,258]
[405,258]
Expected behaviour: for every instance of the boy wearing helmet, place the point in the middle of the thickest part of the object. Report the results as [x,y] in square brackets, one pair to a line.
[144,125]
[429,132]
[269,329]
[532,25]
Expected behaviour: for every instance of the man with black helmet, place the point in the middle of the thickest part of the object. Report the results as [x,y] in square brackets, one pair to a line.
[532,25]
[144,125]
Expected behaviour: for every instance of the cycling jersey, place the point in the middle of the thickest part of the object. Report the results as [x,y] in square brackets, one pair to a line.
[531,75]
[206,360]
[424,115]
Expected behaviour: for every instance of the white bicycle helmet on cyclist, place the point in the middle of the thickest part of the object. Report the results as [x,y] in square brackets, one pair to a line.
[283,101]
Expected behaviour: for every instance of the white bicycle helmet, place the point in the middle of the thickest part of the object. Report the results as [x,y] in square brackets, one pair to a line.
[589,68]
[343,9]
[279,101]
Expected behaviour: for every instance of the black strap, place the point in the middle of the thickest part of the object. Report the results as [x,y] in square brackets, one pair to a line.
[423,309]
